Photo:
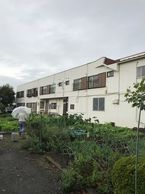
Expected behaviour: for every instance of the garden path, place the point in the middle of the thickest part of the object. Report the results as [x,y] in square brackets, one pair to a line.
[25,173]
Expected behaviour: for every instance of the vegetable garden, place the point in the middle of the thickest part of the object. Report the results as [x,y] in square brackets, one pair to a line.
[100,156]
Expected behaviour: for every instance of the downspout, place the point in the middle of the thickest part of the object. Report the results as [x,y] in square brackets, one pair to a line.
[119,83]
[136,113]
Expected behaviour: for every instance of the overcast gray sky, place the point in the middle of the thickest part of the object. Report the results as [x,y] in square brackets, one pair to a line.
[42,37]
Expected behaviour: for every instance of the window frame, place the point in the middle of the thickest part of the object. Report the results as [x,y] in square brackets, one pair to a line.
[53,106]
[52,89]
[60,84]
[67,82]
[97,81]
[77,84]
[99,106]
[44,90]
[139,71]
[20,94]
[72,106]
[41,104]
[29,93]
[80,84]
[110,74]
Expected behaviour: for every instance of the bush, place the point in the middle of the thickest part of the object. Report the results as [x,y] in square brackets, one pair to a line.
[45,130]
[33,145]
[82,173]
[123,176]
[71,180]
[90,168]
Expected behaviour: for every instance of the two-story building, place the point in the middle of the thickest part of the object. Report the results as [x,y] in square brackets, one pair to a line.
[95,89]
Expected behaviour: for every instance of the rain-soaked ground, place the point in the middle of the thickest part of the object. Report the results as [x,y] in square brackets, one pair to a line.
[22,172]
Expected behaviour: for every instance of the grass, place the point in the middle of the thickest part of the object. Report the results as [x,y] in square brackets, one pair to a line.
[8,124]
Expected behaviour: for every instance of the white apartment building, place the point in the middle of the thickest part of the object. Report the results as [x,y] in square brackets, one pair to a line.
[95,89]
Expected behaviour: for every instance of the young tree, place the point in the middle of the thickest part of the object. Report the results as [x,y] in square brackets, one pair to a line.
[137,98]
[7,96]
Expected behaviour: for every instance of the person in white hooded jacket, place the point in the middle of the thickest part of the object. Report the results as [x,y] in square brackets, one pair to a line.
[22,119]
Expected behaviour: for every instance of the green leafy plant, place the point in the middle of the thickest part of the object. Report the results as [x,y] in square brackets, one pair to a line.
[8,124]
[91,158]
[137,98]
[123,175]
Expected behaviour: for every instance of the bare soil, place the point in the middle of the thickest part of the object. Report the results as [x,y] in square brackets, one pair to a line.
[22,172]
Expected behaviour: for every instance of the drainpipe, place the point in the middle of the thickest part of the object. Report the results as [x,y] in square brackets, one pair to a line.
[119,83]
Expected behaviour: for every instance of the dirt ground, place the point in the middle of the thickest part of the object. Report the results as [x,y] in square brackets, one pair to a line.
[24,173]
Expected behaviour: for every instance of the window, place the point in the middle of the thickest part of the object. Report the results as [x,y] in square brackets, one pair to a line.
[77,84]
[44,90]
[110,74]
[98,104]
[67,82]
[49,89]
[140,71]
[41,104]
[35,92]
[90,82]
[33,106]
[32,92]
[60,84]
[93,81]
[20,94]
[52,88]
[29,105]
[80,84]
[72,106]
[97,81]
[20,104]
[29,93]
[53,106]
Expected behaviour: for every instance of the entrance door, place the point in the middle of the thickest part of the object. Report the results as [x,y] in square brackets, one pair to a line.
[65,105]
[46,106]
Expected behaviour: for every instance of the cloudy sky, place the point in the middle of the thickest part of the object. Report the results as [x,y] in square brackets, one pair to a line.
[42,37]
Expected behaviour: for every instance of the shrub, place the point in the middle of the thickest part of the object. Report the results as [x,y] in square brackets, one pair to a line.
[45,130]
[82,173]
[71,180]
[90,167]
[123,175]
[33,144]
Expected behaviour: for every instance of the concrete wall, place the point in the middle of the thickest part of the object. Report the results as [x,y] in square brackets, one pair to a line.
[116,109]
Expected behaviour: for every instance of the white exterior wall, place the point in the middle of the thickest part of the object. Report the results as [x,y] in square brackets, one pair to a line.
[121,113]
